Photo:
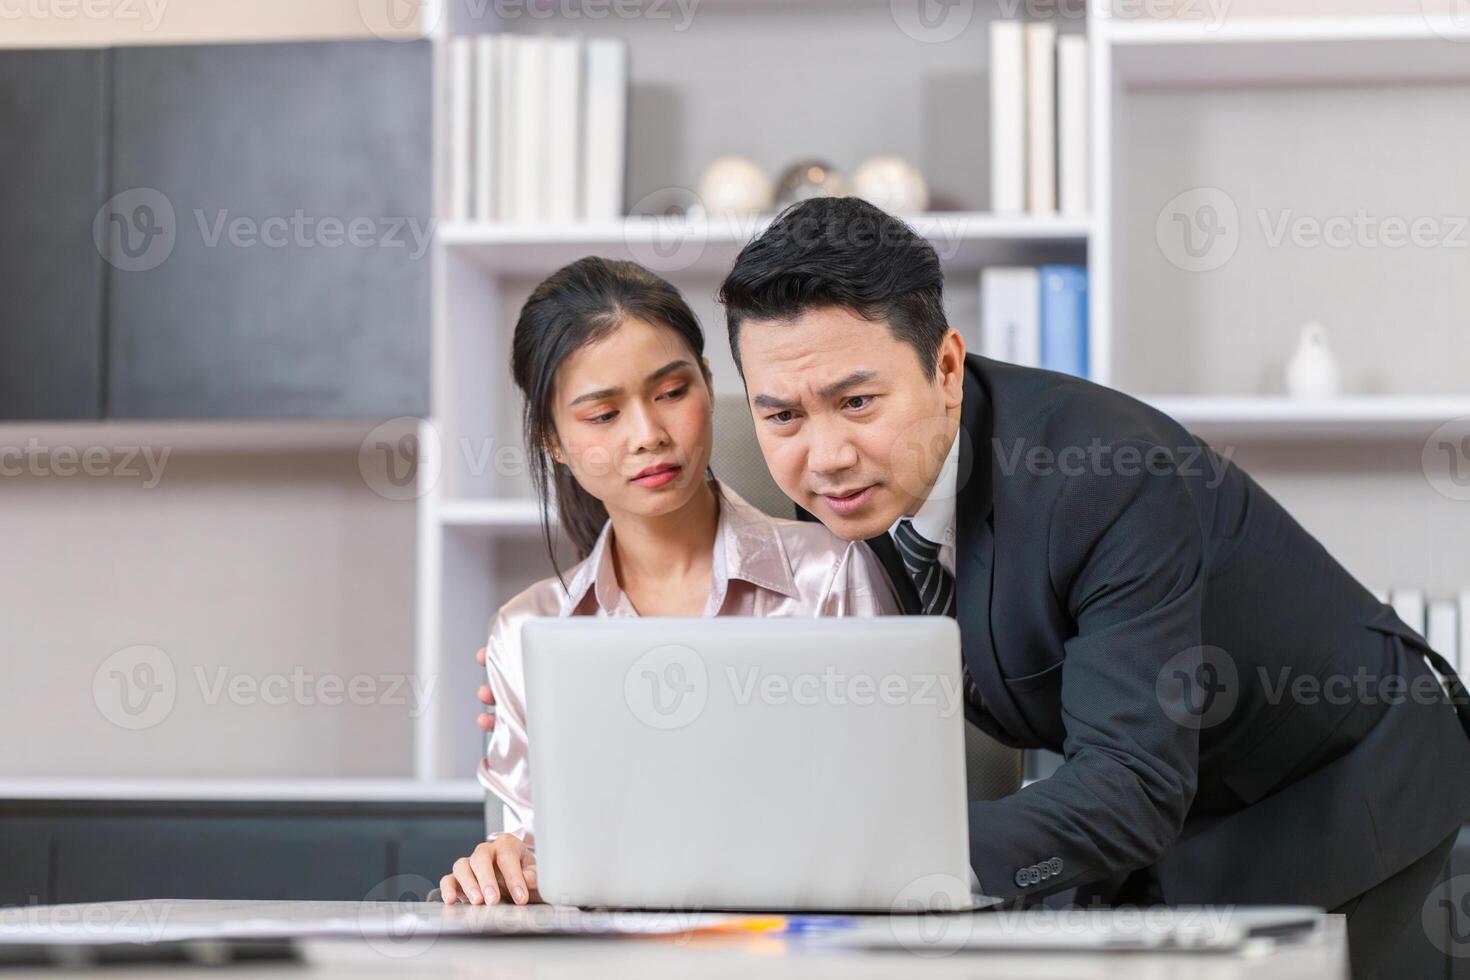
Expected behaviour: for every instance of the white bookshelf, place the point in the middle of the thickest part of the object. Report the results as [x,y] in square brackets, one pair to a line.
[1329,460]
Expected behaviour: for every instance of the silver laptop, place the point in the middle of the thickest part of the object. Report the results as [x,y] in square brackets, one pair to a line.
[742,763]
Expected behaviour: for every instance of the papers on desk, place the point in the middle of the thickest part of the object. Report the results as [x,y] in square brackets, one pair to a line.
[165,920]
[1199,928]
[404,928]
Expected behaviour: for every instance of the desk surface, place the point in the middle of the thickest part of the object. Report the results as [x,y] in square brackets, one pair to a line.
[681,956]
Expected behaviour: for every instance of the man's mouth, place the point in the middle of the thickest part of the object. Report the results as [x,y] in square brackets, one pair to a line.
[845,502]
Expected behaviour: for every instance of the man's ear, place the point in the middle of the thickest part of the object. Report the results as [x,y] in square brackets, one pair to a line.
[951,368]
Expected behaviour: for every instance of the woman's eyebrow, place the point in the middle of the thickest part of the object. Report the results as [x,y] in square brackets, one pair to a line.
[601,393]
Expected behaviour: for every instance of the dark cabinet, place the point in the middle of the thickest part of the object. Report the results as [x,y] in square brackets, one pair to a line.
[216,231]
[296,280]
[91,851]
[53,116]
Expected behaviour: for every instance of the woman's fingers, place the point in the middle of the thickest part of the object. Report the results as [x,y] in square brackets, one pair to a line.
[508,861]
[468,881]
[449,889]
[528,867]
[482,862]
[480,656]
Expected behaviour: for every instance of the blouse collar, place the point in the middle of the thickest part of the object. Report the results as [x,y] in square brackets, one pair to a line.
[747,547]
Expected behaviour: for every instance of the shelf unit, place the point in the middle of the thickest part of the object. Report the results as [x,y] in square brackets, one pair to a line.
[480,538]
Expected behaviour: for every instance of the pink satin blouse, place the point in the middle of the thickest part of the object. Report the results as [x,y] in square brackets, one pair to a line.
[762,566]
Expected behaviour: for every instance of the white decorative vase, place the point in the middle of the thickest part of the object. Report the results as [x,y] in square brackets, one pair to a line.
[891,183]
[734,186]
[1312,371]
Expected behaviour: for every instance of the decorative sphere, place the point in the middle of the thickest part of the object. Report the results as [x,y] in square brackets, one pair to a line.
[810,178]
[735,185]
[891,183]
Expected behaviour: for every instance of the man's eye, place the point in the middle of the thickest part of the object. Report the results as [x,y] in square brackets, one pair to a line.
[859,401]
[781,418]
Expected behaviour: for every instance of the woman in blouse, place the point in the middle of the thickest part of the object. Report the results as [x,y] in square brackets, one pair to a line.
[610,362]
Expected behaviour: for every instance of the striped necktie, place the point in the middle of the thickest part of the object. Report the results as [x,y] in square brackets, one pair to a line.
[933,581]
[935,585]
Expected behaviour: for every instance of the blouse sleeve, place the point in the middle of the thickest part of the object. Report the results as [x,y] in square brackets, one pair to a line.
[505,770]
[861,587]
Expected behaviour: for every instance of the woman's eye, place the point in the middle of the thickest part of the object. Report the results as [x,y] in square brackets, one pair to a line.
[604,417]
[675,392]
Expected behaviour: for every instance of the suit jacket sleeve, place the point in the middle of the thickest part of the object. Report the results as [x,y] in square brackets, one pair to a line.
[1125,552]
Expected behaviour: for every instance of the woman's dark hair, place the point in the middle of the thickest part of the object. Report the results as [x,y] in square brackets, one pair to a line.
[575,306]
[840,251]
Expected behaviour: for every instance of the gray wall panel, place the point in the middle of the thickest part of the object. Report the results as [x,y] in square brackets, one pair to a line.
[292,178]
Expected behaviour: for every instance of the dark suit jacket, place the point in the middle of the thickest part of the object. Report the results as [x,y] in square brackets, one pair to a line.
[1221,688]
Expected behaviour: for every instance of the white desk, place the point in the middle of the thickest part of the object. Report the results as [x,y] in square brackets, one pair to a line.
[741,956]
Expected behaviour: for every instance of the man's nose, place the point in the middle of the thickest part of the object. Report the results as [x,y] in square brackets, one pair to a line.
[830,451]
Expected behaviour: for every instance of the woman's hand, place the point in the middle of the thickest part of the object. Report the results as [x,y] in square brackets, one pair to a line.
[499,870]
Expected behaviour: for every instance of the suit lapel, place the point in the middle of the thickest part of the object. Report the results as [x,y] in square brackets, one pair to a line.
[975,555]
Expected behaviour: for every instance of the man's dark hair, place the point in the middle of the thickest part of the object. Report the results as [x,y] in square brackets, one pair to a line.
[840,251]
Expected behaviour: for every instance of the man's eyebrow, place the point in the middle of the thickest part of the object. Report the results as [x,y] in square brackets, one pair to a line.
[601,393]
[771,401]
[851,381]
[830,391]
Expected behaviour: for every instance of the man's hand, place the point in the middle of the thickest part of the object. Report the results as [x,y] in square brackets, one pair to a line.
[499,870]
[487,718]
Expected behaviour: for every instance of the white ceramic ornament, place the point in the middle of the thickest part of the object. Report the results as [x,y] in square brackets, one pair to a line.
[735,186]
[1312,371]
[892,184]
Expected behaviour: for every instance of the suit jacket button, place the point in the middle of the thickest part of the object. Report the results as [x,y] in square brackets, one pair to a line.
[1021,879]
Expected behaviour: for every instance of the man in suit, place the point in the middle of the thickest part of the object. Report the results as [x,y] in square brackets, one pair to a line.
[1241,721]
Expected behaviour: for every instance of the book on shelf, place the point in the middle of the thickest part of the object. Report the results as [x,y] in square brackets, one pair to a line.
[1041,118]
[605,153]
[1039,109]
[1010,315]
[1409,605]
[1442,630]
[1064,319]
[461,94]
[1462,648]
[1035,317]
[1007,117]
[487,82]
[1072,125]
[537,128]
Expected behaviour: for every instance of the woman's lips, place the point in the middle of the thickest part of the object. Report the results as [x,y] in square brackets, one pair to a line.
[851,503]
[658,478]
